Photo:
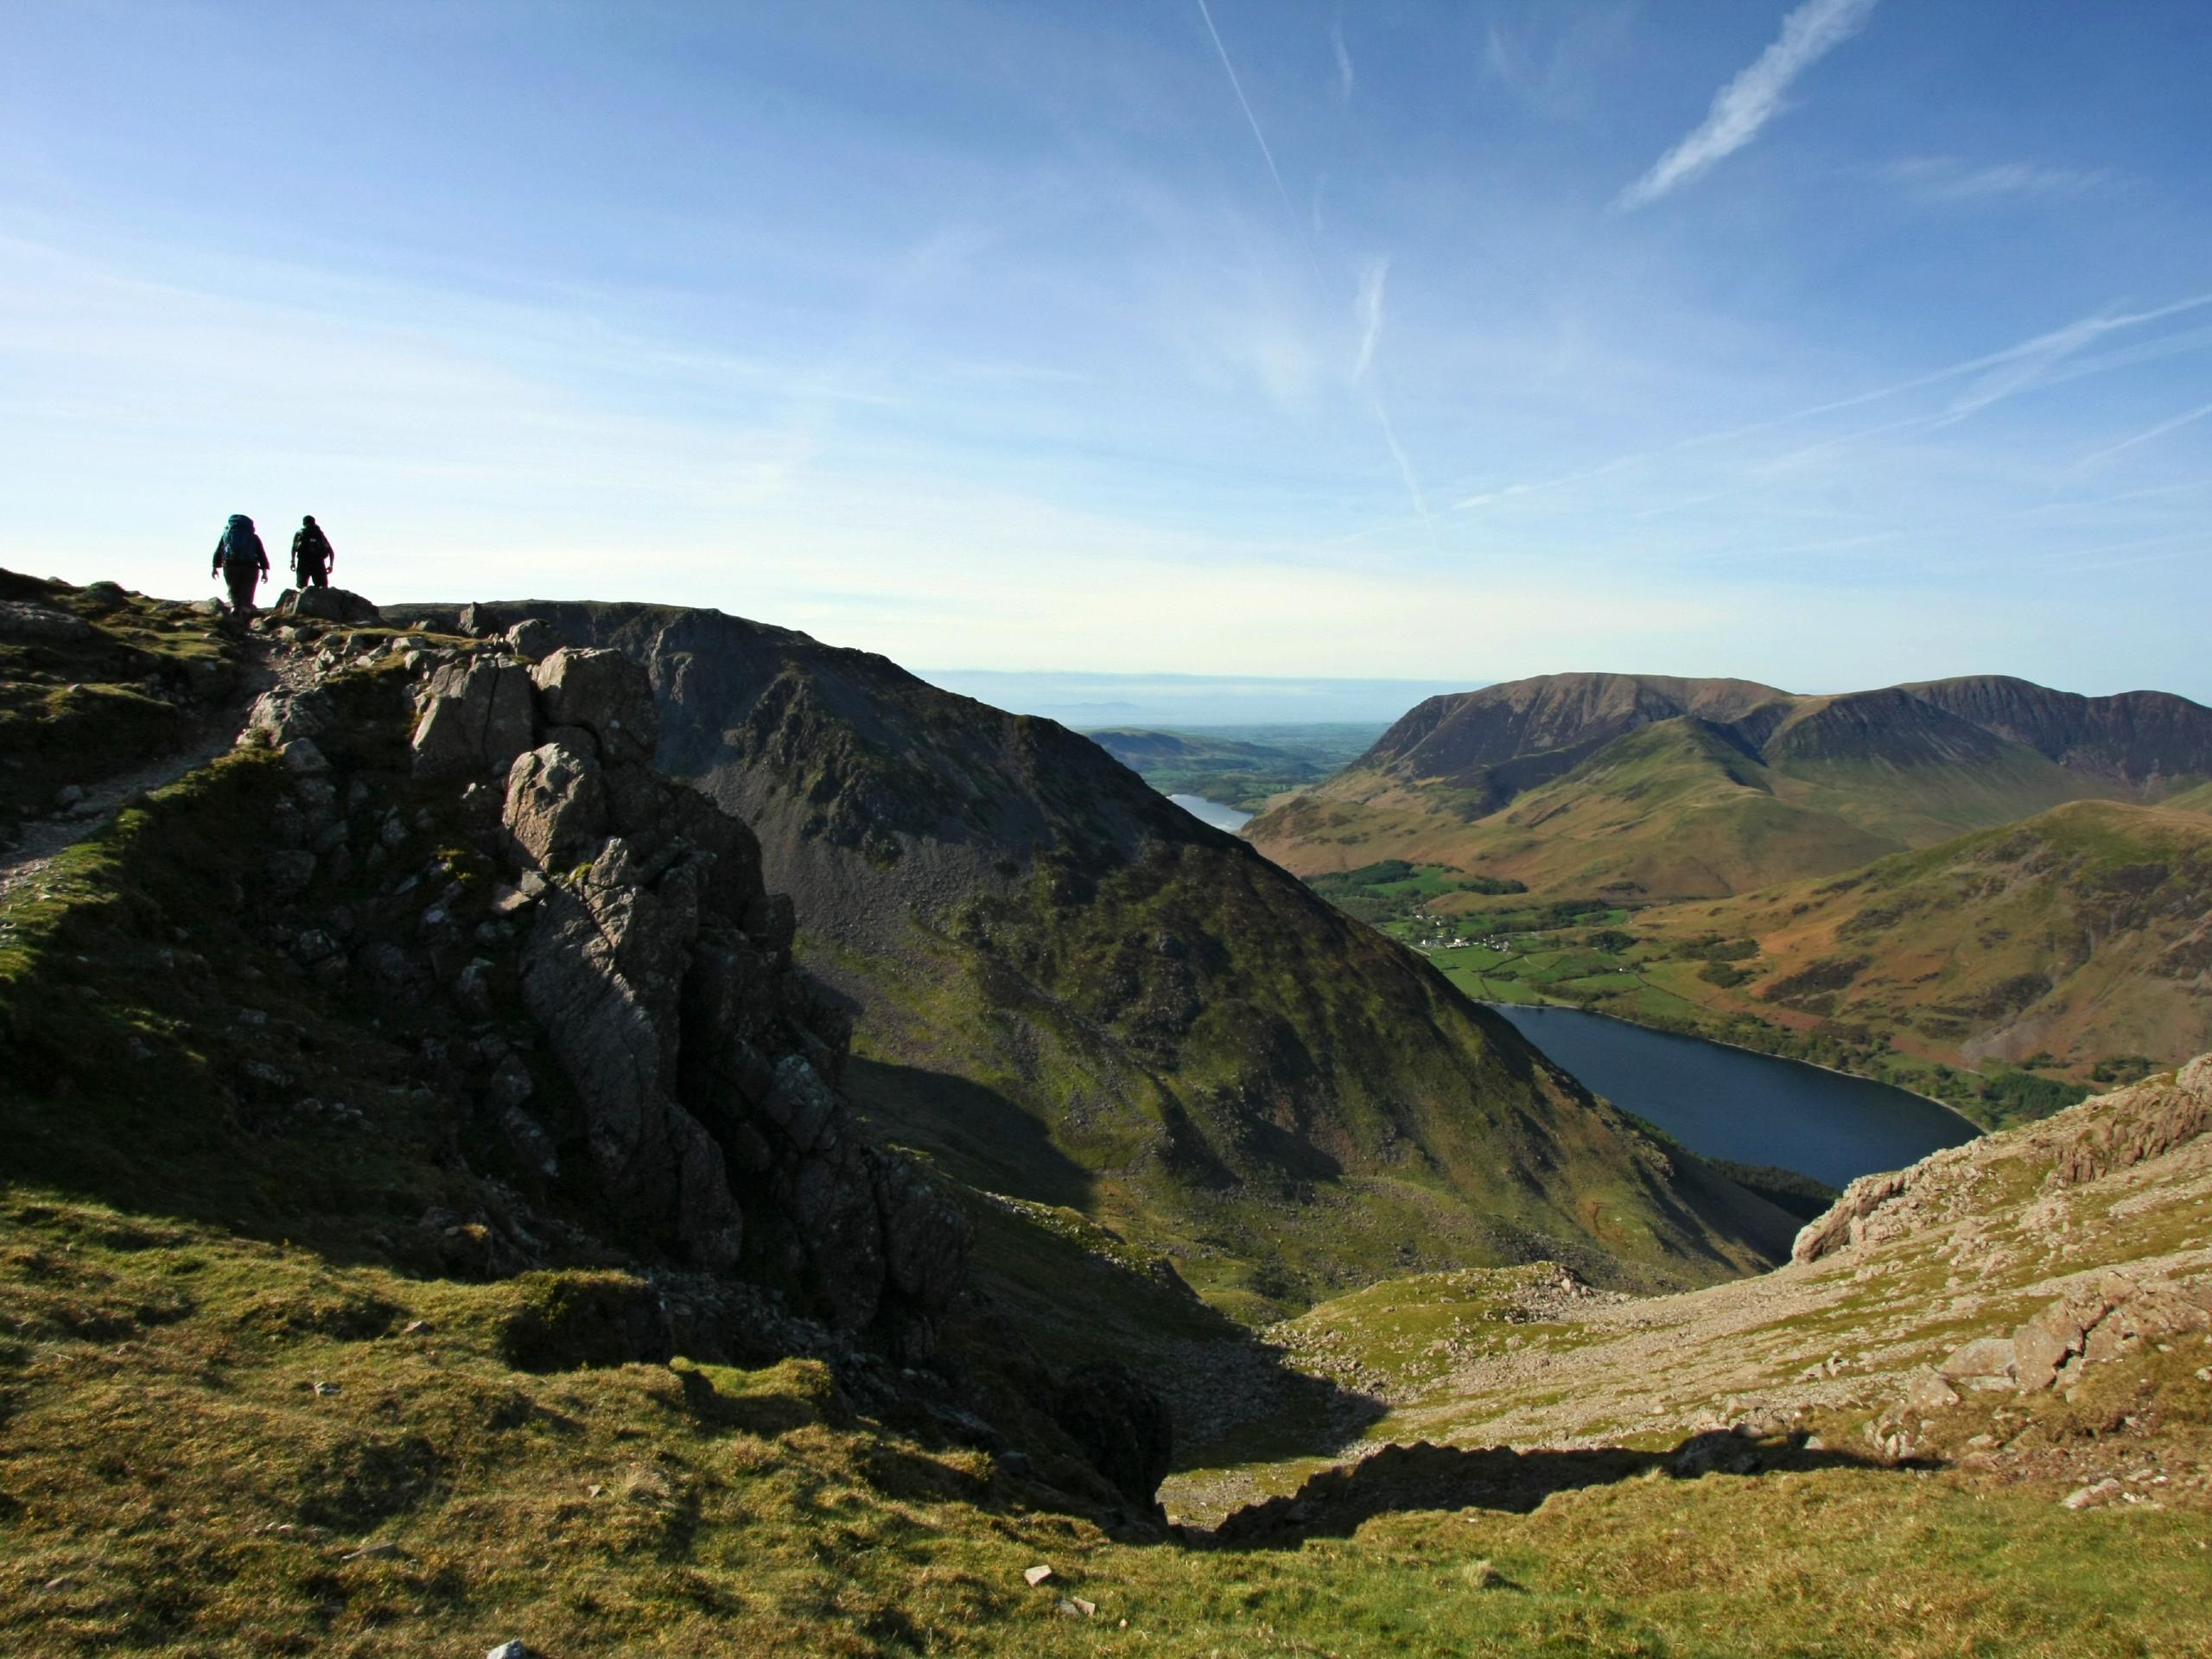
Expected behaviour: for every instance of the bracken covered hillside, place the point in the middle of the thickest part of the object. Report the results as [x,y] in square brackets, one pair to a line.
[2080,933]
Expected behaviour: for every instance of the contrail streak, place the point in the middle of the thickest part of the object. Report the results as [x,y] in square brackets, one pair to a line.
[1258,137]
[2158,431]
[1297,226]
[1405,467]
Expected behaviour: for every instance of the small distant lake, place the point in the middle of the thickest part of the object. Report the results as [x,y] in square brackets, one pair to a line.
[1726,1103]
[1212,812]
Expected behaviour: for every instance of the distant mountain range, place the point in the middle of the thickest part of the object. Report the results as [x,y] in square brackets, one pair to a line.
[1643,787]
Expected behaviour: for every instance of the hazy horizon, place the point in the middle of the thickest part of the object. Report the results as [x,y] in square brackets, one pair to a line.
[1838,342]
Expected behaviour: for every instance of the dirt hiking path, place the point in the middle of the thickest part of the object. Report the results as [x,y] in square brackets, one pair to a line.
[215,733]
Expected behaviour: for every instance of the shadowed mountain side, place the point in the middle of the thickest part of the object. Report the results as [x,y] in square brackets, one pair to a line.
[2143,739]
[1281,1097]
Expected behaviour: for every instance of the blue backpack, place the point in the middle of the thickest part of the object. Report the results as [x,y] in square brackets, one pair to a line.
[240,545]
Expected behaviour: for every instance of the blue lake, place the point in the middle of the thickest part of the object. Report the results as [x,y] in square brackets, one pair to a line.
[1212,812]
[1726,1103]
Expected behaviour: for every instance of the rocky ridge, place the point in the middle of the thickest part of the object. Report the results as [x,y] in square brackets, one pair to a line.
[632,917]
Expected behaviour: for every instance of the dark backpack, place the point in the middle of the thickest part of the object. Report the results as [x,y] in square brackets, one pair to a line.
[240,544]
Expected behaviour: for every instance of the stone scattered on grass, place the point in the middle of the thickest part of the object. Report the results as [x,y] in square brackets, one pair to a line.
[1036,1575]
[2095,1495]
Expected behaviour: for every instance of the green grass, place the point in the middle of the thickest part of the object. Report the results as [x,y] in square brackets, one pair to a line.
[177,1484]
[76,711]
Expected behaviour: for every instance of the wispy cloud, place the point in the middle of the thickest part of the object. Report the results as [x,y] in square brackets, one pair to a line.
[1345,78]
[2049,359]
[1745,104]
[2158,431]
[1367,310]
[1947,178]
[1370,303]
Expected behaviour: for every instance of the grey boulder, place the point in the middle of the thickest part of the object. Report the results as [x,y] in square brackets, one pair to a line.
[477,721]
[607,693]
[556,811]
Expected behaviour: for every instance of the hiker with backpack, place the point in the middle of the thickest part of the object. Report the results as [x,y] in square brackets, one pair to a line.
[312,555]
[242,562]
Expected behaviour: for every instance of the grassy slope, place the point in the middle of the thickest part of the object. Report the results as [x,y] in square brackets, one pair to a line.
[203,1422]
[1257,1118]
[2192,800]
[73,711]
[175,1484]
[1989,1236]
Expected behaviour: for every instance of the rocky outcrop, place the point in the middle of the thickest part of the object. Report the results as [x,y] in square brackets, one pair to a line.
[2113,1315]
[2138,1124]
[2086,1143]
[660,971]
[1844,1221]
[325,605]
[556,806]
[477,718]
[605,693]
[284,715]
[22,620]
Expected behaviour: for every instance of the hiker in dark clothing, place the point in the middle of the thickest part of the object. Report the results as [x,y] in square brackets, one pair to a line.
[312,553]
[242,562]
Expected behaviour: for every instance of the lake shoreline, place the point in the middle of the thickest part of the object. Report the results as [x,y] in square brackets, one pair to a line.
[1215,815]
[1740,1048]
[1723,1100]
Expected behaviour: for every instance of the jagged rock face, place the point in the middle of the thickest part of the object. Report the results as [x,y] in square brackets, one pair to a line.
[604,692]
[478,718]
[610,1033]
[2137,737]
[660,969]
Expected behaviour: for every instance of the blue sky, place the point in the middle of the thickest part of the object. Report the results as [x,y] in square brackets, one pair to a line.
[1827,344]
